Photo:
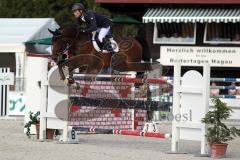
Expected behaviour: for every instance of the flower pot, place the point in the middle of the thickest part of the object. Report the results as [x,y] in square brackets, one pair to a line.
[37,130]
[49,132]
[218,150]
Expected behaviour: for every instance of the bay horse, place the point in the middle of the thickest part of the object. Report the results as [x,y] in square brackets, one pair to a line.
[75,50]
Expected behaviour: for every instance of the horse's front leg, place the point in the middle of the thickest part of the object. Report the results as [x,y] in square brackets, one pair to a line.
[70,80]
[61,73]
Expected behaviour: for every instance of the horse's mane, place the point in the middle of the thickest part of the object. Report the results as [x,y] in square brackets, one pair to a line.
[68,31]
[71,32]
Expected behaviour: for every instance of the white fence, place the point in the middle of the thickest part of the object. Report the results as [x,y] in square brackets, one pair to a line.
[6,79]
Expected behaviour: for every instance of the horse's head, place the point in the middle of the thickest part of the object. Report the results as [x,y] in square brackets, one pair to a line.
[66,42]
[61,42]
[58,46]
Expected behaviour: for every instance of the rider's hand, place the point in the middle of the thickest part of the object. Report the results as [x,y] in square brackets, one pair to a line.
[82,30]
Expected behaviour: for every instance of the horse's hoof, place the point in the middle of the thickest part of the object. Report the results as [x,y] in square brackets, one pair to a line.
[103,71]
[71,81]
[65,82]
[115,72]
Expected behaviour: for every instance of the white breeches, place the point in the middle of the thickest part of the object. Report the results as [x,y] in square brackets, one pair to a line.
[102,33]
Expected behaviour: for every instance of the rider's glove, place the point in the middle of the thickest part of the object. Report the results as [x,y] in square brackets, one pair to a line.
[82,30]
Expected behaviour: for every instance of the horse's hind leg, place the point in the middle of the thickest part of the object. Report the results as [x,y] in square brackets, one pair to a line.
[106,70]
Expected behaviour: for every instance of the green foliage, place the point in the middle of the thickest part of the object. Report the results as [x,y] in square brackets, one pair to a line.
[60,10]
[217,131]
[126,30]
[34,119]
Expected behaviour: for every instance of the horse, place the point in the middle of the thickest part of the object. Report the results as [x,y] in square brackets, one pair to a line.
[75,49]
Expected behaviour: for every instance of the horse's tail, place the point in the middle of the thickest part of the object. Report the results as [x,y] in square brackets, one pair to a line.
[137,44]
[146,53]
[128,44]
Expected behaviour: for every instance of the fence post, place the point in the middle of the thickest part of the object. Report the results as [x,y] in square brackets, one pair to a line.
[6,79]
[176,105]
[206,96]
[43,109]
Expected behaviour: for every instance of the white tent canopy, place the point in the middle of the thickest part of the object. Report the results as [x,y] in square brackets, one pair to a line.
[191,15]
[15,31]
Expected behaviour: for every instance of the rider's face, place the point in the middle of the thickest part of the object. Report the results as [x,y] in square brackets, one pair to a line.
[77,13]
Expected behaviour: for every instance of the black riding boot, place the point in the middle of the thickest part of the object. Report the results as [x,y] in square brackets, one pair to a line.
[108,46]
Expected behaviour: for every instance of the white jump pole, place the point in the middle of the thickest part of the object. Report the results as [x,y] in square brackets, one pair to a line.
[36,73]
[206,96]
[43,108]
[176,104]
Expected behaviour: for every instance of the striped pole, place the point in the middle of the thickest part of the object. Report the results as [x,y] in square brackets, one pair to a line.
[228,96]
[121,132]
[225,87]
[212,79]
[219,96]
[117,78]
[143,134]
[225,79]
[93,130]
[118,103]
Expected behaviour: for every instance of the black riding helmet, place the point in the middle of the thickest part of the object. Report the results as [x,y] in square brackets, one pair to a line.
[78,6]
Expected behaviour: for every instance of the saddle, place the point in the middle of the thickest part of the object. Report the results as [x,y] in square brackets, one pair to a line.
[108,45]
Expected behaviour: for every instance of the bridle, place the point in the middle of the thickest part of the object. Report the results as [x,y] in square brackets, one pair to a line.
[63,55]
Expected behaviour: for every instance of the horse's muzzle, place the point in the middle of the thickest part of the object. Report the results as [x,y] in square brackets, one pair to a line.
[61,58]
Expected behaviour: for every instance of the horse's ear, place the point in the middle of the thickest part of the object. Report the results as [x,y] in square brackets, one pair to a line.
[58,32]
[52,32]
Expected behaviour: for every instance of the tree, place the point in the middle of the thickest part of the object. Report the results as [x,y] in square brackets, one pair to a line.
[60,10]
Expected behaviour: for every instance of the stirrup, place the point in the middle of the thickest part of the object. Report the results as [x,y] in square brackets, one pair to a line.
[107,45]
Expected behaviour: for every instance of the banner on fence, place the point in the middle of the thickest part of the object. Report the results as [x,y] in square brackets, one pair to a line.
[7,78]
[198,56]
[17,102]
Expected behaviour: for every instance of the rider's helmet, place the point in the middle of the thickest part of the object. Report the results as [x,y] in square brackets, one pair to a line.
[78,6]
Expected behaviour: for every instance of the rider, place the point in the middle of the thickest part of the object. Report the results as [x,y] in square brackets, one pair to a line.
[94,21]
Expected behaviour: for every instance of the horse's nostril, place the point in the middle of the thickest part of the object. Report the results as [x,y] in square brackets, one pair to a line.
[64,56]
[54,59]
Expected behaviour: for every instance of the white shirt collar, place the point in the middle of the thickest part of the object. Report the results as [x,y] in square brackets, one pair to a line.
[82,17]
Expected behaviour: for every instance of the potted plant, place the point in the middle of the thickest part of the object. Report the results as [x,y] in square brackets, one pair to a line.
[218,132]
[35,120]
